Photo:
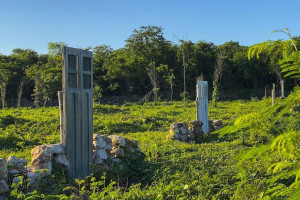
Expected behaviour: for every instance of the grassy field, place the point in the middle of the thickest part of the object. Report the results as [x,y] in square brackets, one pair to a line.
[236,162]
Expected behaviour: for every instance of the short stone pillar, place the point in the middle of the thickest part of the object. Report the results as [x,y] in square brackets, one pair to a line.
[77,110]
[202,104]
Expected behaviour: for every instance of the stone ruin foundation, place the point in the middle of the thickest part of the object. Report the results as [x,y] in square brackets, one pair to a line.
[108,151]
[193,131]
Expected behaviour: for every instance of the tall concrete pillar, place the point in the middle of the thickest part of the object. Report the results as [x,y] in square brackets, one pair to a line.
[202,104]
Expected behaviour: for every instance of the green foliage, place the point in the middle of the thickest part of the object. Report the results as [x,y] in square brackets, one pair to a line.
[133,69]
[290,56]
[256,155]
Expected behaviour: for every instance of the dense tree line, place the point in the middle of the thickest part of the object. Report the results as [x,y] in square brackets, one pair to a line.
[148,65]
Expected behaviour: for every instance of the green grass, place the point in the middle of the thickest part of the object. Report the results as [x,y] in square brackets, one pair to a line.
[171,169]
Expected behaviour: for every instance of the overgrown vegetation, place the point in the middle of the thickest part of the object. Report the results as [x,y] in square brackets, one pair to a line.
[255,156]
[137,69]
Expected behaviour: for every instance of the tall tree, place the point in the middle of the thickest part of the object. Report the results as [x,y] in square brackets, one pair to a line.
[217,77]
[187,55]
[101,54]
[148,46]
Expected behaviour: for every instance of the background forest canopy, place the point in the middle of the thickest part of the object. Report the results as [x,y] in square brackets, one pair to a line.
[147,64]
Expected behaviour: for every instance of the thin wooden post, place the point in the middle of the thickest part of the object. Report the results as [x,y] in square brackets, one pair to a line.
[282,88]
[61,114]
[266,91]
[273,94]
[202,104]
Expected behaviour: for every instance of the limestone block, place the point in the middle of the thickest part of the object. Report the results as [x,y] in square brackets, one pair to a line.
[106,138]
[118,140]
[45,168]
[62,160]
[218,122]
[44,153]
[99,143]
[35,177]
[16,163]
[98,161]
[101,154]
[174,126]
[117,160]
[16,180]
[117,152]
[182,130]
[96,137]
[3,168]
[3,186]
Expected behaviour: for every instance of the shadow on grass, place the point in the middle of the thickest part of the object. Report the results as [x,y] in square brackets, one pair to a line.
[131,172]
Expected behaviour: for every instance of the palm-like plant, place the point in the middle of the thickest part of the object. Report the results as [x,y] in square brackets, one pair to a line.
[290,62]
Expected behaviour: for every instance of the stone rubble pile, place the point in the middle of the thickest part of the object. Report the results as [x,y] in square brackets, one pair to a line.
[215,125]
[112,148]
[42,158]
[193,131]
[182,132]
[107,149]
[13,166]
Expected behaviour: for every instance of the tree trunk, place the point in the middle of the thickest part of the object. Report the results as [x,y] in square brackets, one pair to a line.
[184,66]
[3,95]
[171,91]
[20,92]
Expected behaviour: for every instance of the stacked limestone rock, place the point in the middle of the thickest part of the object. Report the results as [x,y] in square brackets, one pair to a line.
[107,150]
[180,131]
[113,148]
[13,166]
[3,175]
[42,157]
[215,125]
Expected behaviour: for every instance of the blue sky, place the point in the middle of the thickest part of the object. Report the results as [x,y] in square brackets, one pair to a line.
[34,23]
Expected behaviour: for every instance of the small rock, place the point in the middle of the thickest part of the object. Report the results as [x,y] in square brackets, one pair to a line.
[106,138]
[174,126]
[62,160]
[217,127]
[16,180]
[96,137]
[46,167]
[117,160]
[3,168]
[118,140]
[183,130]
[98,161]
[131,143]
[14,172]
[218,122]
[44,153]
[99,143]
[3,186]
[138,149]
[211,125]
[35,177]
[101,154]
[16,163]
[118,152]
